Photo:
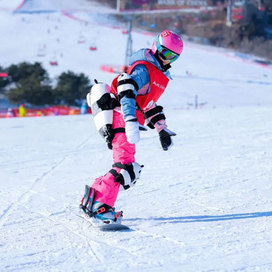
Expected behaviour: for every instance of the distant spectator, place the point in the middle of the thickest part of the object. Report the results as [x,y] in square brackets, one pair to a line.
[39,113]
[22,110]
[10,113]
[83,108]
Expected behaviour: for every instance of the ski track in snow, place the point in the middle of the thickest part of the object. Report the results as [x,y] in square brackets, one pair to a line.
[30,191]
[151,240]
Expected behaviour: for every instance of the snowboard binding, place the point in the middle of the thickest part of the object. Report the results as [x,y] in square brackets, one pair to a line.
[99,210]
[87,201]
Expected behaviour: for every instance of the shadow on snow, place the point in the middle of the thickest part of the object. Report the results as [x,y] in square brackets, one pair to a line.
[204,218]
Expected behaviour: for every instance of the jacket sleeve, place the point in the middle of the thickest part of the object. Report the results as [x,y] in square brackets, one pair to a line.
[141,77]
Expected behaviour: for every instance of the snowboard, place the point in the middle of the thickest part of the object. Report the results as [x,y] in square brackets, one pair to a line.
[104,226]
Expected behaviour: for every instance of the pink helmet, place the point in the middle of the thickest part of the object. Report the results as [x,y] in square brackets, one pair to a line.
[168,40]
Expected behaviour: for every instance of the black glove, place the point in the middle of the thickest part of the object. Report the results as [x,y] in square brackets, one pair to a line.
[165,138]
[108,134]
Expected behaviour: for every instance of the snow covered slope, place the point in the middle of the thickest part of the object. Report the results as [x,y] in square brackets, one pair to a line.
[205,205]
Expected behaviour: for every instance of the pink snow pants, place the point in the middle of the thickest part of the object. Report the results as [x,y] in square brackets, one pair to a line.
[105,186]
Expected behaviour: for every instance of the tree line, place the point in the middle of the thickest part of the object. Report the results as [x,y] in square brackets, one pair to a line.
[30,83]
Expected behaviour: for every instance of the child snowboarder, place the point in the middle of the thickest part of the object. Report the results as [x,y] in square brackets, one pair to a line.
[120,111]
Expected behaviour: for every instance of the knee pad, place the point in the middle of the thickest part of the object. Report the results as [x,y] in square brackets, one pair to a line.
[128,175]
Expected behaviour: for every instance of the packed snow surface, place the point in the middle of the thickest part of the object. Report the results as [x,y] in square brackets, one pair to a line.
[204,205]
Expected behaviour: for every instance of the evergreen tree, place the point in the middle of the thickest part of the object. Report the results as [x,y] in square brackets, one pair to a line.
[24,70]
[72,88]
[32,84]
[32,91]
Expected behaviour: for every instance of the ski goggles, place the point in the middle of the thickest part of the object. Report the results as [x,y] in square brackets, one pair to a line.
[167,54]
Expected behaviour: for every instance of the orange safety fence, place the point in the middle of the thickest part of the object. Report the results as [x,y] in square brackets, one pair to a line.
[46,111]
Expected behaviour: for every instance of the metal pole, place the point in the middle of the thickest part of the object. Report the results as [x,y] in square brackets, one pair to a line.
[229,22]
[118,5]
[129,42]
[196,102]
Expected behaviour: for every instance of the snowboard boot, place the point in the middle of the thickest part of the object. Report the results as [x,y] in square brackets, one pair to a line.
[87,201]
[106,213]
[97,209]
